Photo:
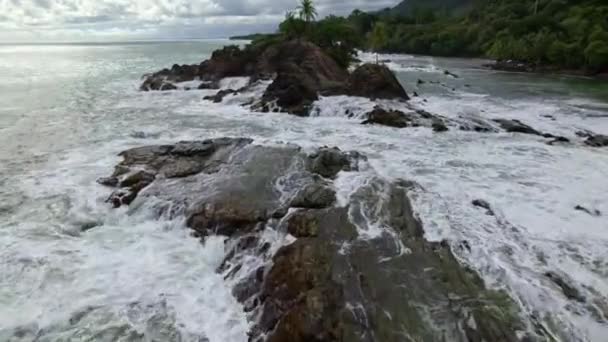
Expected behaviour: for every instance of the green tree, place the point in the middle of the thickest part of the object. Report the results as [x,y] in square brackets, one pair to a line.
[378,37]
[307,11]
[292,27]
[596,54]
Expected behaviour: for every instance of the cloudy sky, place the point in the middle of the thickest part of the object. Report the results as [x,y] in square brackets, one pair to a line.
[62,20]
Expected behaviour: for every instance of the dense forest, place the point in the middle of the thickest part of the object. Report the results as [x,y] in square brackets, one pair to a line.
[566,34]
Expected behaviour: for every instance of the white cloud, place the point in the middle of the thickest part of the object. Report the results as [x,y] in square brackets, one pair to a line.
[107,19]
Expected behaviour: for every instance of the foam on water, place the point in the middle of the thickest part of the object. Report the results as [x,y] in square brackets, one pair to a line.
[134,271]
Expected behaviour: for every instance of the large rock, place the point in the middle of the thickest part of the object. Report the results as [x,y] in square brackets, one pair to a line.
[360,272]
[376,82]
[303,71]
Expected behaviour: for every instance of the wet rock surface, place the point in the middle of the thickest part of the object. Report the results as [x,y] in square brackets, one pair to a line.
[516,126]
[376,82]
[300,72]
[361,271]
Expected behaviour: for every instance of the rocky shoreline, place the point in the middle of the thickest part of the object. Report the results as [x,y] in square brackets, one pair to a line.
[349,269]
[527,67]
[346,267]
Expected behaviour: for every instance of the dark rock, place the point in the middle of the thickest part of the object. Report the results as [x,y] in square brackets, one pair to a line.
[593,212]
[439,126]
[327,162]
[415,94]
[303,71]
[208,85]
[167,86]
[303,224]
[376,82]
[314,196]
[485,205]
[420,82]
[558,140]
[219,97]
[569,291]
[448,73]
[292,92]
[516,126]
[302,301]
[343,278]
[584,134]
[597,140]
[108,181]
[392,118]
[137,179]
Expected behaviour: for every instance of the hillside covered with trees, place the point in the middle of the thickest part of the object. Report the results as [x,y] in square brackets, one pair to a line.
[559,34]
[564,33]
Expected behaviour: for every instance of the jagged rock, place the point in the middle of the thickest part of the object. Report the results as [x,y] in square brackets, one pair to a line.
[293,93]
[516,126]
[344,276]
[314,196]
[303,71]
[597,140]
[376,82]
[327,162]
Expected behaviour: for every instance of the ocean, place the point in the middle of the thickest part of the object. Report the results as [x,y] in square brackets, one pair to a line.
[74,269]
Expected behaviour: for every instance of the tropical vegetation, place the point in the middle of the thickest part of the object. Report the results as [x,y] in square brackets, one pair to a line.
[566,34]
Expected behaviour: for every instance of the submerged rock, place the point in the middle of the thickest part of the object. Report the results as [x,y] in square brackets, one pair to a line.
[568,290]
[485,205]
[516,126]
[392,118]
[399,119]
[593,212]
[597,140]
[219,96]
[360,272]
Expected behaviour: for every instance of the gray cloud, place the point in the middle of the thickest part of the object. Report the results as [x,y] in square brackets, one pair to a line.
[62,19]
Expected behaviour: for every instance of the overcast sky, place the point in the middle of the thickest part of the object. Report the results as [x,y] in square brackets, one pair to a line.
[62,20]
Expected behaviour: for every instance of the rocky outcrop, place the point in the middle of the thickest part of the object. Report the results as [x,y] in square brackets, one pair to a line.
[226,62]
[303,71]
[376,82]
[355,271]
[300,72]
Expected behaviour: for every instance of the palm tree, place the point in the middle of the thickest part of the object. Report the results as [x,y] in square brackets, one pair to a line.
[307,10]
